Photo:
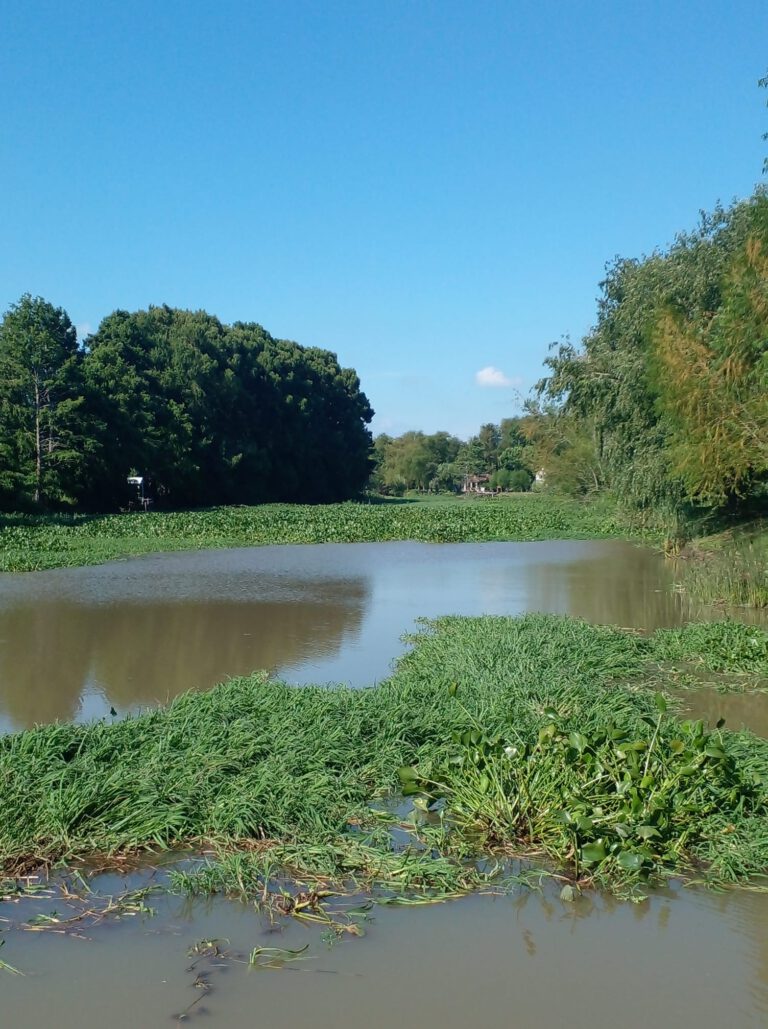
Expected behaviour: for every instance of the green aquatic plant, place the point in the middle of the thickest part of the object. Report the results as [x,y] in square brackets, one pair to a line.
[730,568]
[535,735]
[29,543]
[619,801]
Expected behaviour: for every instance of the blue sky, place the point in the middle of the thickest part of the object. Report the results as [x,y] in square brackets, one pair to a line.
[430,189]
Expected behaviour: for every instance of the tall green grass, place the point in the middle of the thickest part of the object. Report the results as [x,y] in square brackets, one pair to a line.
[729,570]
[535,734]
[28,543]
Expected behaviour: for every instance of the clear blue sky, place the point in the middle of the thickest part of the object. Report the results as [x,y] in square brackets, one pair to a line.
[427,188]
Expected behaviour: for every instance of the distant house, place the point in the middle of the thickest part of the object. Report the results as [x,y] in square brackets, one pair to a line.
[476,484]
[540,477]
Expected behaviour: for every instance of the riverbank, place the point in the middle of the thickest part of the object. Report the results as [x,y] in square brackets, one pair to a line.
[727,568]
[533,736]
[29,543]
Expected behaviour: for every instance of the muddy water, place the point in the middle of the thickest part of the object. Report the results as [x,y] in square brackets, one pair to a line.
[527,962]
[76,642]
[740,710]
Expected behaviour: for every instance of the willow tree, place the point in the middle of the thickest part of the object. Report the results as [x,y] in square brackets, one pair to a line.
[712,381]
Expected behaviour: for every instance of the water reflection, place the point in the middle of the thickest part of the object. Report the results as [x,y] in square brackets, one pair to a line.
[616,586]
[680,958]
[740,710]
[64,660]
[75,642]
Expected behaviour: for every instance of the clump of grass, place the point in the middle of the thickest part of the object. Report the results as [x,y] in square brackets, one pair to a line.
[727,646]
[560,713]
[728,570]
[28,543]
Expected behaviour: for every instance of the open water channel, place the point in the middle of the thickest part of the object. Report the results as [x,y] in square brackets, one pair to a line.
[75,643]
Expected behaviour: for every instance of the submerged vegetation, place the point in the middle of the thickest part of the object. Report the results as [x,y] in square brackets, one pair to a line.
[535,736]
[29,543]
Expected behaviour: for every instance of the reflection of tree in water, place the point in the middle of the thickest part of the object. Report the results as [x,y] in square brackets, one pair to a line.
[626,585]
[747,915]
[45,652]
[149,652]
[739,710]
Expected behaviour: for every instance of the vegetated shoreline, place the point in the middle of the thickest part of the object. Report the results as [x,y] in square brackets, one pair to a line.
[539,736]
[30,543]
[729,567]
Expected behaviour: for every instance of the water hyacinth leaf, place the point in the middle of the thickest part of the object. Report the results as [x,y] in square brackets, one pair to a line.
[647,832]
[547,732]
[578,741]
[409,789]
[660,702]
[407,773]
[630,860]
[593,853]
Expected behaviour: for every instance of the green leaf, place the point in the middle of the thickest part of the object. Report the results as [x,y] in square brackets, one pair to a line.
[647,832]
[661,703]
[578,741]
[630,861]
[592,853]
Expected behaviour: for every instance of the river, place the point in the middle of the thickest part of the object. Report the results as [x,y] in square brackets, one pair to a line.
[75,643]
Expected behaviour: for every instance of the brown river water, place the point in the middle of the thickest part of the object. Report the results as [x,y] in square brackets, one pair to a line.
[129,634]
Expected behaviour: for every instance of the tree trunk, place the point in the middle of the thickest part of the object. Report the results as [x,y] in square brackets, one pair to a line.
[38,446]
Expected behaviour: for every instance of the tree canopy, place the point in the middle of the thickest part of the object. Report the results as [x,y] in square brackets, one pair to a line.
[210,413]
[671,384]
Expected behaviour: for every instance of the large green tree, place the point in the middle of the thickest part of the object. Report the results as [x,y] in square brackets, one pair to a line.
[48,435]
[610,385]
[225,414]
[712,381]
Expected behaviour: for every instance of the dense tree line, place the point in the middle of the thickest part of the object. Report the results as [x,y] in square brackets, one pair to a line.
[666,399]
[442,463]
[210,413]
